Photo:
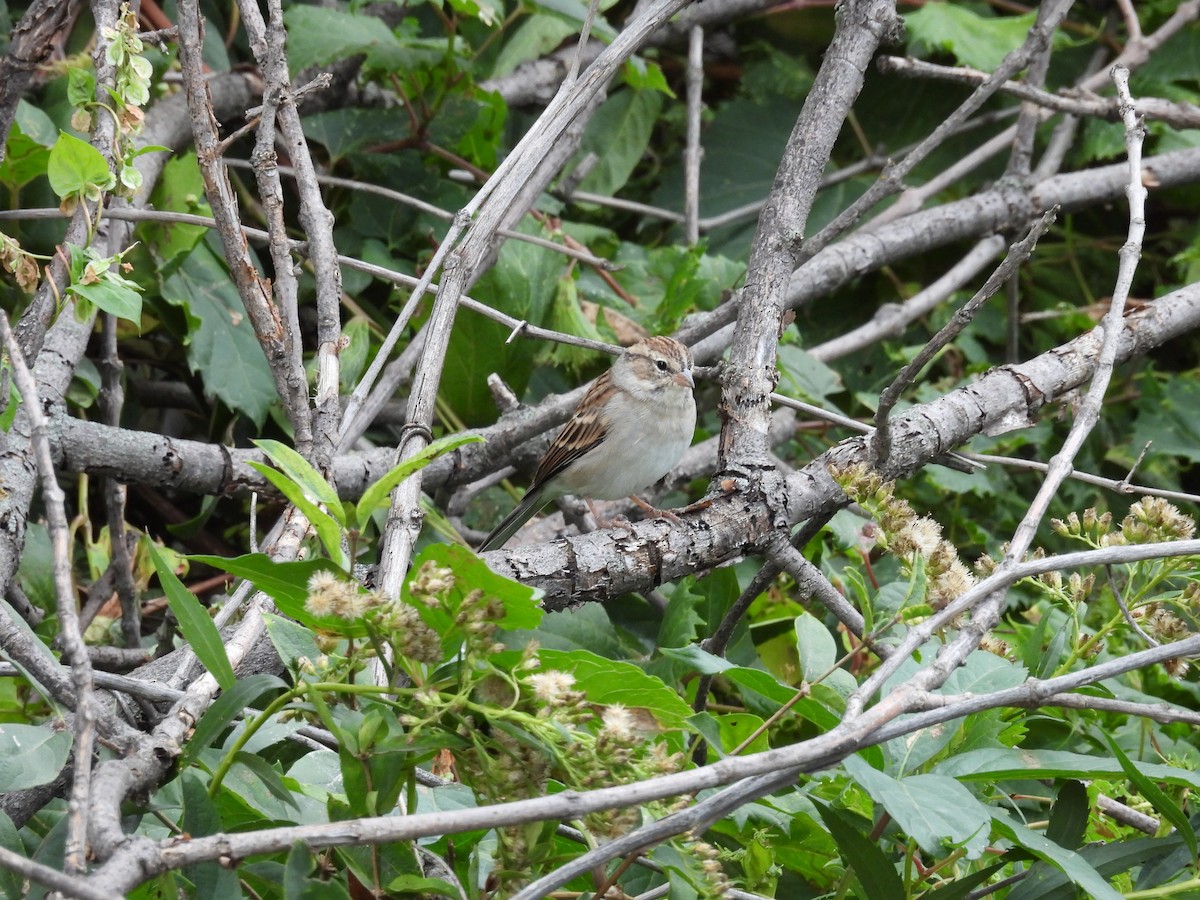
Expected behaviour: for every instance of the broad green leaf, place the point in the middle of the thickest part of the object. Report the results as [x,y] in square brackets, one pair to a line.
[27,154]
[111,296]
[231,704]
[194,622]
[574,12]
[936,812]
[11,884]
[995,764]
[803,375]
[413,885]
[1070,863]
[180,188]
[816,646]
[317,36]
[974,40]
[374,496]
[221,346]
[1069,815]
[328,529]
[287,584]
[267,774]
[608,681]
[521,607]
[81,87]
[535,36]
[31,755]
[619,134]
[1045,882]
[680,620]
[292,641]
[75,166]
[874,870]
[588,627]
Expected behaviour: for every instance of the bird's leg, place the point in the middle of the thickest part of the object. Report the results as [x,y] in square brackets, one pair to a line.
[653,512]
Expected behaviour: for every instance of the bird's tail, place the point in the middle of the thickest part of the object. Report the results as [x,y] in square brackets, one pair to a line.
[530,504]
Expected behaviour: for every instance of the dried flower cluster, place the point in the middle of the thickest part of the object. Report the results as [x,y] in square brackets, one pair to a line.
[917,540]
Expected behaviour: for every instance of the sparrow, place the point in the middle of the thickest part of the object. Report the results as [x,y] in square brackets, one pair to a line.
[631,427]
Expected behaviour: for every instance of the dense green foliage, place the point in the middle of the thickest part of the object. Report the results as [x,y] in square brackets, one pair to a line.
[484,689]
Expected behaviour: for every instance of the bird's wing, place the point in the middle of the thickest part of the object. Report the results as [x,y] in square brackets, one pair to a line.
[585,431]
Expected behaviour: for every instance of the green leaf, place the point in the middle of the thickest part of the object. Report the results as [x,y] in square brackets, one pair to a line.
[81,87]
[267,774]
[876,873]
[221,346]
[1069,815]
[198,629]
[1070,863]
[994,764]
[317,36]
[75,166]
[816,646]
[11,884]
[935,811]
[27,155]
[299,470]
[292,641]
[804,376]
[231,704]
[287,584]
[111,296]
[535,36]
[31,755]
[412,885]
[1151,791]
[328,529]
[375,496]
[680,620]
[608,681]
[200,818]
[1045,882]
[521,607]
[618,134]
[978,41]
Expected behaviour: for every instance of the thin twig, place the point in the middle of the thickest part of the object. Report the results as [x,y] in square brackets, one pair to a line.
[74,649]
[1017,254]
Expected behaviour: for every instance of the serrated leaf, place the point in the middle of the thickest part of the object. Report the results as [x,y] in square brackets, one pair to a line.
[978,41]
[194,622]
[221,346]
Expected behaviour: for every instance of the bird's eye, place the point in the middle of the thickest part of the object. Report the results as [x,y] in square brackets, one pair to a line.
[662,365]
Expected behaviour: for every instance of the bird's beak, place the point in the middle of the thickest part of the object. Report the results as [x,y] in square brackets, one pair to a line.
[685,379]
